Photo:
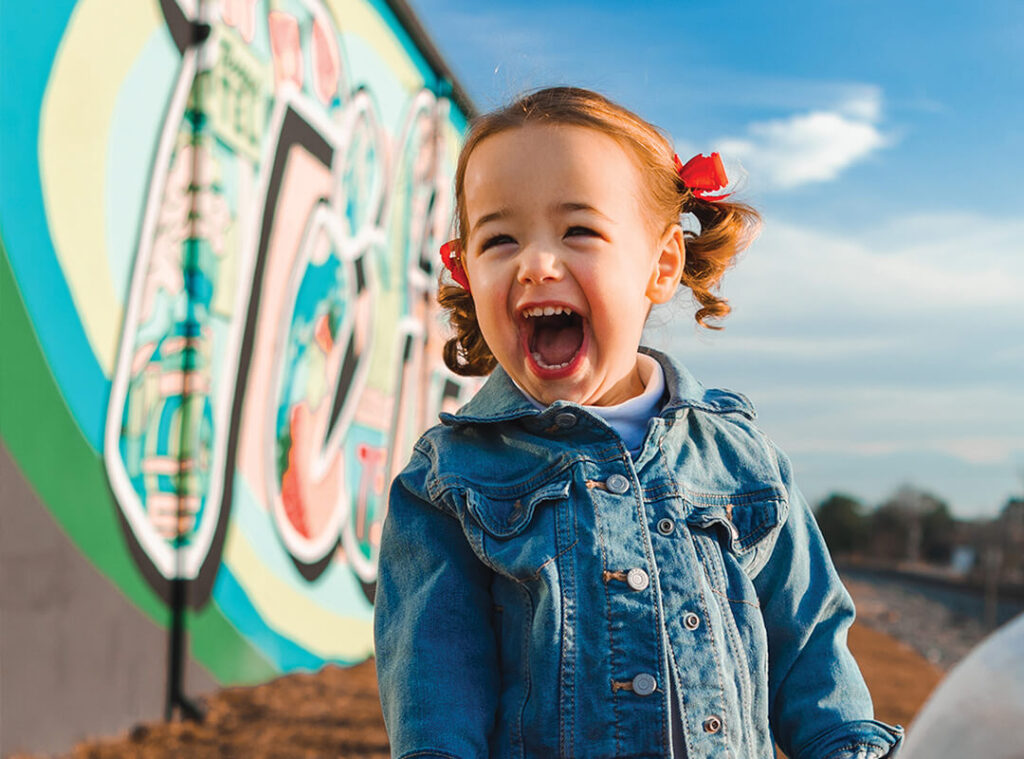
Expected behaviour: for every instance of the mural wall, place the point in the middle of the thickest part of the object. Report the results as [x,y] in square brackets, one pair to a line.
[219,333]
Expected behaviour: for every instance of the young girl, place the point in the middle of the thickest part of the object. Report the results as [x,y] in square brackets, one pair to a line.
[597,556]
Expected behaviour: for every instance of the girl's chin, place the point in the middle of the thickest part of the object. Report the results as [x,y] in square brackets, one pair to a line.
[580,388]
[583,385]
[547,391]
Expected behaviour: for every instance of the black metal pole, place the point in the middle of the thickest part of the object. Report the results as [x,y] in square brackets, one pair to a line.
[177,641]
[176,697]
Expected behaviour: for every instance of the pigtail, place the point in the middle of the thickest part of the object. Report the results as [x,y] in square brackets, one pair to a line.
[726,230]
[467,353]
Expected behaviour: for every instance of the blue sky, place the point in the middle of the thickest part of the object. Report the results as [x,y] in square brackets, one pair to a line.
[878,322]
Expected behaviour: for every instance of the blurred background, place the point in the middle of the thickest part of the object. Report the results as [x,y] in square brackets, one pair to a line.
[219,222]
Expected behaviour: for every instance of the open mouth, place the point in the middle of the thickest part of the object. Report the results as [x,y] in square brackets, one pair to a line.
[554,336]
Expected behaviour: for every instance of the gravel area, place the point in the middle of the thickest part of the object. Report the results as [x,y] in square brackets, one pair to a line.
[942,624]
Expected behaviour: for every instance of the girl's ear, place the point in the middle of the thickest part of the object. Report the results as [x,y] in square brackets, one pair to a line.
[668,266]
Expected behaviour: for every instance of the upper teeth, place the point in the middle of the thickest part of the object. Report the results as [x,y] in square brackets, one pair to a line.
[546,311]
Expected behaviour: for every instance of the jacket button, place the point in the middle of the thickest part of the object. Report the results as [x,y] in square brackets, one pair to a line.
[691,621]
[665,526]
[565,420]
[712,724]
[644,684]
[637,578]
[617,484]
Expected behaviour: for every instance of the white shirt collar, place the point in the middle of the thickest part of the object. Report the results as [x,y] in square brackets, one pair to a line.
[630,417]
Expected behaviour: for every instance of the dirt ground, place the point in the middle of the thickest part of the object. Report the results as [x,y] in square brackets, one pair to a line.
[335,712]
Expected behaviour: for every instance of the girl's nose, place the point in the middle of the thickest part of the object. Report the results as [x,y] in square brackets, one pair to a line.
[538,265]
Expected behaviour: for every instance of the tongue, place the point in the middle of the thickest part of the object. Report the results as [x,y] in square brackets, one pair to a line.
[556,345]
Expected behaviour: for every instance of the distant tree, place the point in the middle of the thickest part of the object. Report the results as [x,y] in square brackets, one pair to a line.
[912,525]
[1012,519]
[938,531]
[843,522]
[889,529]
[1011,528]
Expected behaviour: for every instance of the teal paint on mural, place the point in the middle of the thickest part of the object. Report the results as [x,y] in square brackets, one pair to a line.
[29,42]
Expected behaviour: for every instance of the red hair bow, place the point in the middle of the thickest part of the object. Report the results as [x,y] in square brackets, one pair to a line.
[452,260]
[703,174]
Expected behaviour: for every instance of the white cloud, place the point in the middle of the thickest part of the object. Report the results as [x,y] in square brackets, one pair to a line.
[865,105]
[814,146]
[923,285]
[983,450]
[921,266]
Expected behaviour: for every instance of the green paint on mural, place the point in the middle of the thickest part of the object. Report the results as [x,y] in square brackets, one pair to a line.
[68,476]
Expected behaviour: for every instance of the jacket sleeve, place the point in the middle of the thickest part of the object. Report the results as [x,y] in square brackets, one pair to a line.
[436,654]
[819,705]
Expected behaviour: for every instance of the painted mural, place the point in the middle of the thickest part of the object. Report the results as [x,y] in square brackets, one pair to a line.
[221,341]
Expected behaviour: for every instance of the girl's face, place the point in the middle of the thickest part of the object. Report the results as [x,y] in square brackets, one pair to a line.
[564,261]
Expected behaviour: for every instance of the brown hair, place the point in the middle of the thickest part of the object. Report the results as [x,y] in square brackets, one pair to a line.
[725,228]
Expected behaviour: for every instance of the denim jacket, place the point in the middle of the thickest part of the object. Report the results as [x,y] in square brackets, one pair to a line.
[541,592]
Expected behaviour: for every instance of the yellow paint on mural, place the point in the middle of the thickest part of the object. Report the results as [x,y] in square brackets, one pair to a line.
[291,614]
[358,17]
[73,131]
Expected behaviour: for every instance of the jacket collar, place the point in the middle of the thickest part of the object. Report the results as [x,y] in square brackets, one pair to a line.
[499,400]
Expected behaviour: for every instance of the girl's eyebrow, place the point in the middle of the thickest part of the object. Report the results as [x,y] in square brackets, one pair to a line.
[501,213]
[504,213]
[571,206]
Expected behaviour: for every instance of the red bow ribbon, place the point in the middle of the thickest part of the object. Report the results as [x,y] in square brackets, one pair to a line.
[703,174]
[452,260]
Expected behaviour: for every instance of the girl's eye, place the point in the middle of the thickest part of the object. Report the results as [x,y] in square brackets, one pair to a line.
[490,242]
[581,231]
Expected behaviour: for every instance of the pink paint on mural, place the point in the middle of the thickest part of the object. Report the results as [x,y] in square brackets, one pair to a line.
[371,483]
[240,14]
[326,63]
[286,47]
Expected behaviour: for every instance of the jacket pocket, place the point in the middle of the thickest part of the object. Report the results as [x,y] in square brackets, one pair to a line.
[745,526]
[521,534]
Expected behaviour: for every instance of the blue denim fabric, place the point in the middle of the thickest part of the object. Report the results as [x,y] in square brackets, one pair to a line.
[508,623]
